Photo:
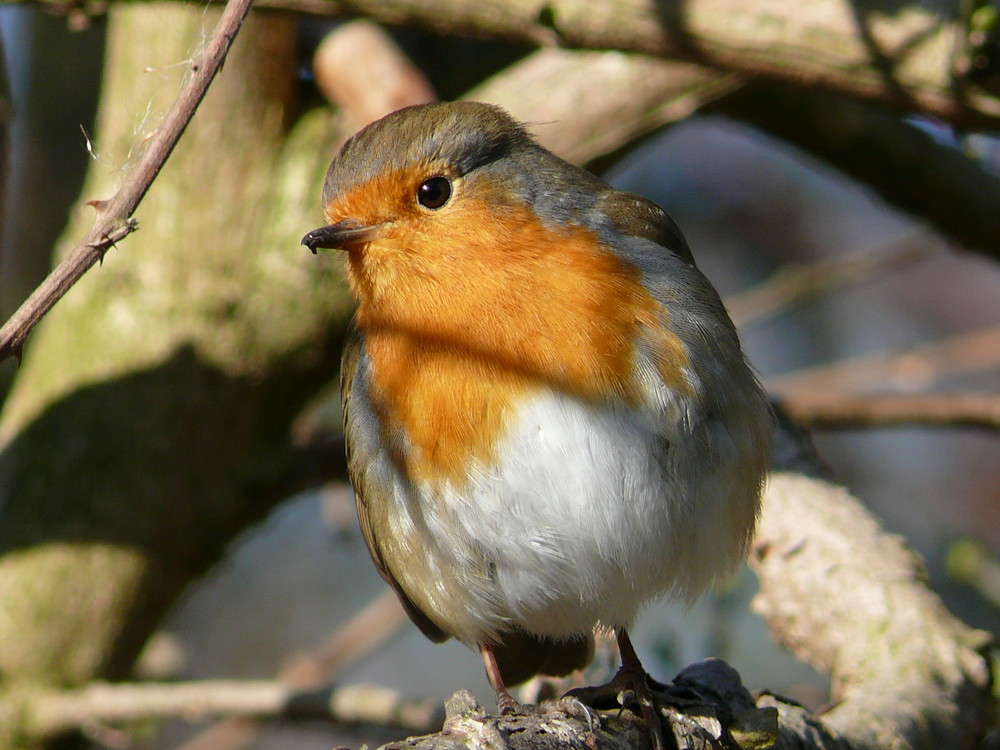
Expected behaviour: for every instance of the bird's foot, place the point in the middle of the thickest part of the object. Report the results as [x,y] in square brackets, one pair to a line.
[681,710]
[629,688]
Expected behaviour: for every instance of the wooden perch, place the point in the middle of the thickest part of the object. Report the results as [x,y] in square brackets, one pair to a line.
[852,600]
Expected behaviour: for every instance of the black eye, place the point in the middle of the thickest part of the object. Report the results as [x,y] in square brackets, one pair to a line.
[434,192]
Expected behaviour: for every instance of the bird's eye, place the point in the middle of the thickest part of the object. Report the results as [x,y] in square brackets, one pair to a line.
[434,192]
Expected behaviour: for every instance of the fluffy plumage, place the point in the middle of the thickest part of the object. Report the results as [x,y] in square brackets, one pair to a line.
[549,417]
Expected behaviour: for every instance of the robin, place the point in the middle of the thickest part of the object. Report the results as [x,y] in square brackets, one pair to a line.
[549,417]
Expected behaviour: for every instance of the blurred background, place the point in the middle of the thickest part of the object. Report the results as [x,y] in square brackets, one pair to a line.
[295,580]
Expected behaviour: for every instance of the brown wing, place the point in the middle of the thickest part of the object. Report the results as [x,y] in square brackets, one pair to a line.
[363,489]
[634,216]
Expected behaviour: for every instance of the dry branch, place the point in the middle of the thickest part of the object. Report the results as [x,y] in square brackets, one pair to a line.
[52,712]
[827,410]
[312,670]
[387,80]
[851,599]
[919,367]
[114,216]
[915,58]
[904,58]
[600,101]
[793,285]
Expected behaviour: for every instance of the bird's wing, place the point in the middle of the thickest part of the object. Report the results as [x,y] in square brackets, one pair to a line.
[634,216]
[365,491]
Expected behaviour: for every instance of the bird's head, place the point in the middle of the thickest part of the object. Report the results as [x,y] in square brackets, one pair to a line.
[459,229]
[436,197]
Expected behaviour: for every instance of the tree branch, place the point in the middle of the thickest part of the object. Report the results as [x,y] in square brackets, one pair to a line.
[830,410]
[600,100]
[796,284]
[907,166]
[905,59]
[852,600]
[918,367]
[364,632]
[386,82]
[114,216]
[52,712]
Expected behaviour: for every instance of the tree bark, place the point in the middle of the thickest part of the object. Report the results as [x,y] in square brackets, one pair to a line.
[917,57]
[913,58]
[149,421]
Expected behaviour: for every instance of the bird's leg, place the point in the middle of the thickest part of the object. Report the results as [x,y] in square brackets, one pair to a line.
[633,677]
[505,701]
[631,684]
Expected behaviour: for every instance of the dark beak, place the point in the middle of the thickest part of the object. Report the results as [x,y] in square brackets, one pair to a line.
[341,235]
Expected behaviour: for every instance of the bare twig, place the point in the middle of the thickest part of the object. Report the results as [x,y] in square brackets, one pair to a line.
[917,368]
[828,410]
[795,284]
[53,712]
[114,216]
[356,638]
[352,641]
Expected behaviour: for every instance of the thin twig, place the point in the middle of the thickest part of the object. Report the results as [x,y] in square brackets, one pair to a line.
[114,216]
[360,635]
[53,712]
[796,284]
[844,411]
[356,638]
[917,368]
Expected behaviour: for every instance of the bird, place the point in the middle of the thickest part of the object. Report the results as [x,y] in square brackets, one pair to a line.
[549,417]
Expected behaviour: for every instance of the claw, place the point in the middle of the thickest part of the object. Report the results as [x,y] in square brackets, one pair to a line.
[573,706]
[629,687]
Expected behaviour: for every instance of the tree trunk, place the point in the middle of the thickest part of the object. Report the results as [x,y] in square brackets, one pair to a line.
[149,421]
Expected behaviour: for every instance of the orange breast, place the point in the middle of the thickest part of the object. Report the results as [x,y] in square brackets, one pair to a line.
[460,328]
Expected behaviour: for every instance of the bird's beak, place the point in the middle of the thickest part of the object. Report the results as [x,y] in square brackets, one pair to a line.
[341,235]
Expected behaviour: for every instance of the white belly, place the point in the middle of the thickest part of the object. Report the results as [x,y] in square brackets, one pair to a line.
[589,514]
